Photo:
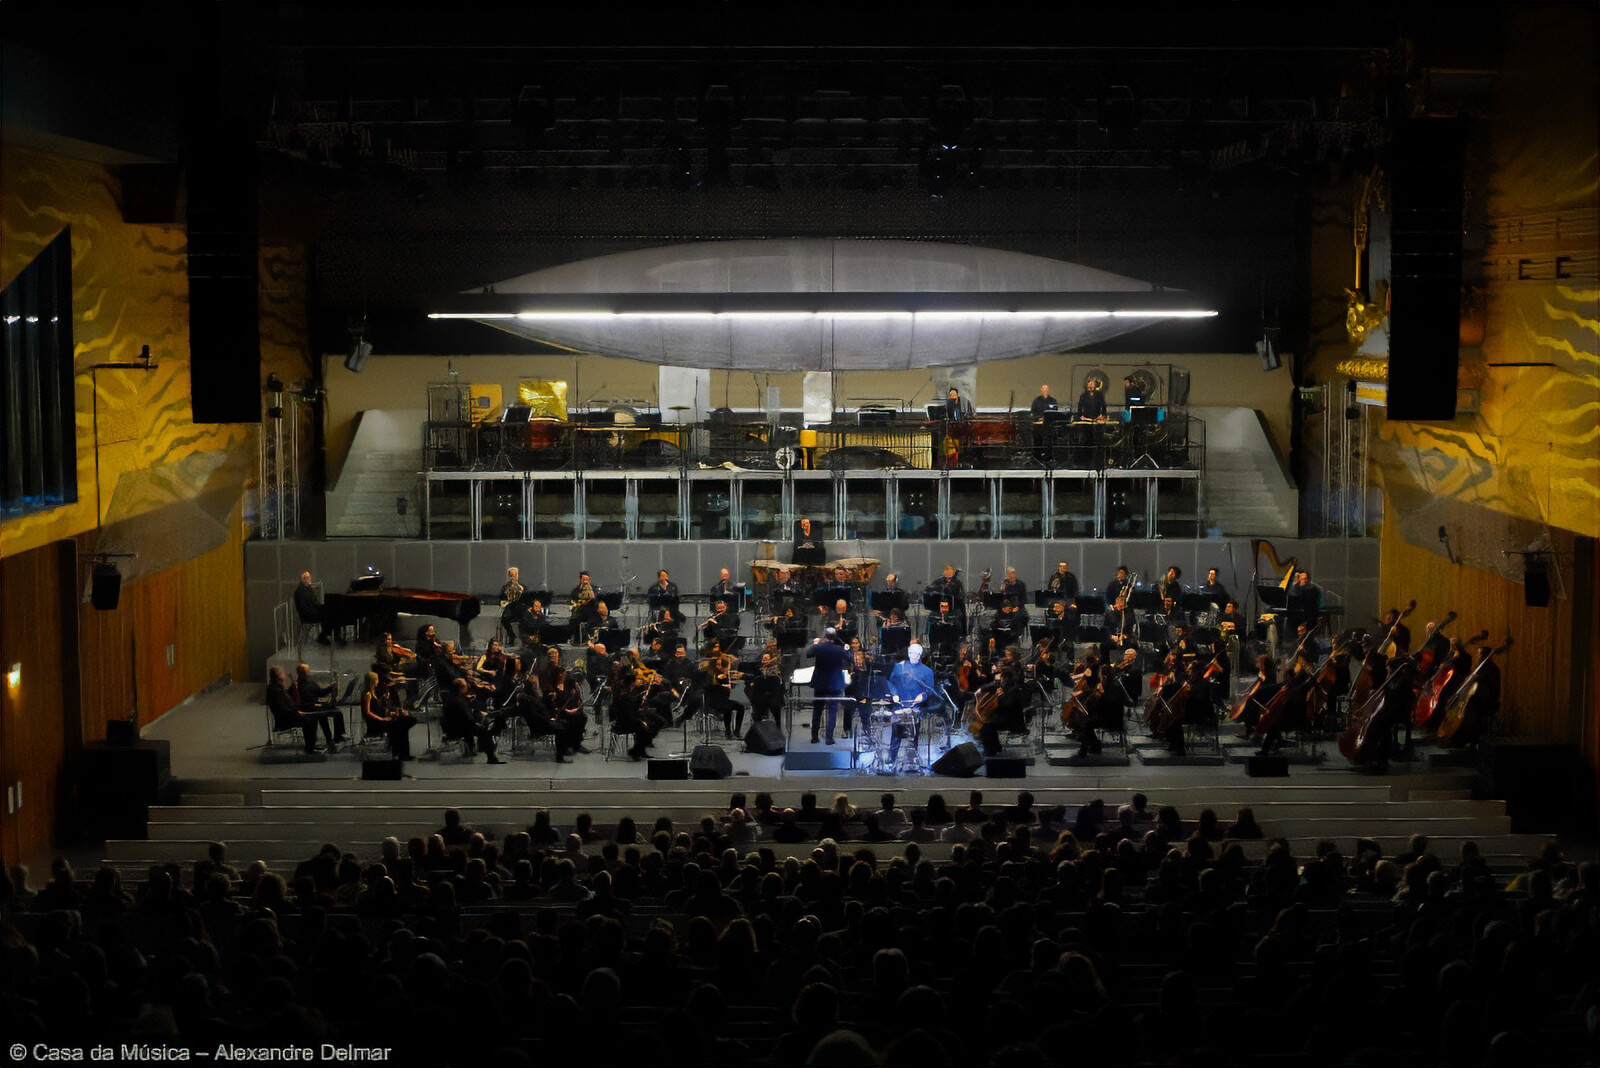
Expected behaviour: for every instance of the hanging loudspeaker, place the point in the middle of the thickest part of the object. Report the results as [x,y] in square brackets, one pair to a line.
[1536,584]
[106,587]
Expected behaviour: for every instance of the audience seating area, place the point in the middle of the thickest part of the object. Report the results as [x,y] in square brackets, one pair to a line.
[704,929]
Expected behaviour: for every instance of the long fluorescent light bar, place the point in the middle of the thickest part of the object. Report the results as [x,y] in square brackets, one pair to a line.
[803,307]
[789,316]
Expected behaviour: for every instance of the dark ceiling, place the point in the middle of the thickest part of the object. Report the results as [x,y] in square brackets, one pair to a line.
[423,150]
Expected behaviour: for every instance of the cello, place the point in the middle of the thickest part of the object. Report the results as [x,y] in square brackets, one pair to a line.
[1077,711]
[1434,693]
[1465,709]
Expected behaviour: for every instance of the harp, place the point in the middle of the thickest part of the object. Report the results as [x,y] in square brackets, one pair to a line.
[1260,547]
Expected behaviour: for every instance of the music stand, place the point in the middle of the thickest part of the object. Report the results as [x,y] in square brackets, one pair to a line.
[1039,631]
[994,600]
[791,637]
[1197,602]
[555,634]
[940,634]
[892,640]
[1098,635]
[1090,604]
[613,599]
[659,601]
[886,601]
[827,596]
[1147,600]
[931,599]
[936,413]
[1152,633]
[530,596]
[615,639]
[810,555]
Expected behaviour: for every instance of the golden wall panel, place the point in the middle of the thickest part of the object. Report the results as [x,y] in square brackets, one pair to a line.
[129,289]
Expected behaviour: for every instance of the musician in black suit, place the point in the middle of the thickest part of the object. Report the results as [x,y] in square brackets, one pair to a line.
[808,548]
[945,617]
[1063,583]
[1122,626]
[722,625]
[724,587]
[664,587]
[1213,590]
[956,408]
[457,719]
[308,606]
[1170,585]
[1092,401]
[948,585]
[1013,588]
[787,589]
[1304,601]
[511,607]
[1063,621]
[839,620]
[1120,586]
[286,714]
[1010,624]
[1044,402]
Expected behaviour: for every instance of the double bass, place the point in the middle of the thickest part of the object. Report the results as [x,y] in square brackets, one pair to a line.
[1365,682]
[1465,708]
[1433,694]
[1363,737]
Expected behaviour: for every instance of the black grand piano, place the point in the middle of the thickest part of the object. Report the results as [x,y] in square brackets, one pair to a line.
[366,601]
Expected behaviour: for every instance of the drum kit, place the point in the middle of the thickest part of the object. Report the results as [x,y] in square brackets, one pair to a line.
[889,739]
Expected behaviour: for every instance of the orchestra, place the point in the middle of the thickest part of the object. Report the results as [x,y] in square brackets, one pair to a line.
[1084,662]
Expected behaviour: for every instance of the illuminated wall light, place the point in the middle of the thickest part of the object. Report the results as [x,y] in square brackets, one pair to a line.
[14,676]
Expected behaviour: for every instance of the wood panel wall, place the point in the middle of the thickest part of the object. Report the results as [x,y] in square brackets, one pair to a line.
[33,715]
[1538,695]
[196,607]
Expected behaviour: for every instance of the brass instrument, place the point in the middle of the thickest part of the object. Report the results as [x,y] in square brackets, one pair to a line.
[585,596]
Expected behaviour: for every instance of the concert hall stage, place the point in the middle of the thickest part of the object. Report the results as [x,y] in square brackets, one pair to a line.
[270,805]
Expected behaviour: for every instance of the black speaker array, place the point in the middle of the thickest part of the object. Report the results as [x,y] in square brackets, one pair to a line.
[224,329]
[1426,165]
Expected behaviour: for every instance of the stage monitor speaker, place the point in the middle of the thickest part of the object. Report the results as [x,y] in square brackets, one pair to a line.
[764,738]
[710,762]
[963,761]
[381,770]
[1536,586]
[1267,767]
[1006,767]
[1427,168]
[106,587]
[667,769]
